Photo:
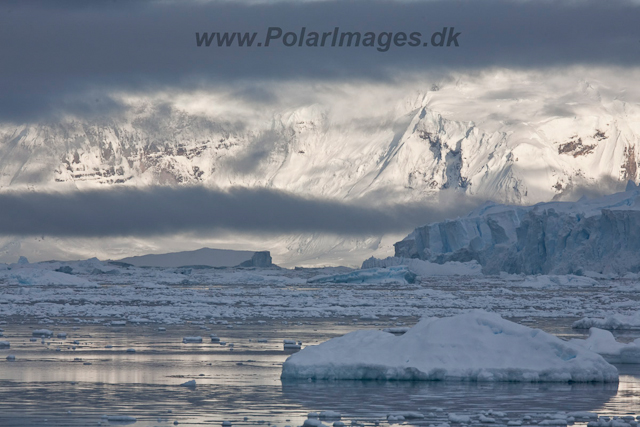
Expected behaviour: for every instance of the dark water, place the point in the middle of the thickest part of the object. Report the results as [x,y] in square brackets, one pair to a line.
[44,384]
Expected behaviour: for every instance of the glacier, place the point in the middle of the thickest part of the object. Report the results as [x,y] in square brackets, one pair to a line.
[600,235]
[474,346]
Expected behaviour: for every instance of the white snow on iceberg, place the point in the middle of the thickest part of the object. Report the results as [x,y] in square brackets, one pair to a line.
[475,346]
[604,343]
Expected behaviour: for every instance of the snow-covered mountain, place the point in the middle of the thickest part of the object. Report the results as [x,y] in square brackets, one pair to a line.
[508,136]
[599,235]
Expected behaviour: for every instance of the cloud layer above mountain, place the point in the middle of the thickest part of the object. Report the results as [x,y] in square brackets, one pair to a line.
[167,210]
[71,56]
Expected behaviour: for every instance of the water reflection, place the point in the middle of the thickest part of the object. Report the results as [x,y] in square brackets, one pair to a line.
[374,397]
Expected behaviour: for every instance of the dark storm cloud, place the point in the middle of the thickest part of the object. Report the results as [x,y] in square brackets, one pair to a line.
[166,210]
[55,53]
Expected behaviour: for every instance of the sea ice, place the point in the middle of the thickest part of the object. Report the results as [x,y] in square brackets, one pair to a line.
[5,344]
[475,346]
[191,383]
[42,333]
[191,340]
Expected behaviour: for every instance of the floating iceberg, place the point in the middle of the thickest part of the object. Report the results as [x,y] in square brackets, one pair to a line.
[40,277]
[371,275]
[604,343]
[601,235]
[425,268]
[613,322]
[475,346]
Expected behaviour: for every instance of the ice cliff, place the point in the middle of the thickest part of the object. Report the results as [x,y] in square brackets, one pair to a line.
[599,235]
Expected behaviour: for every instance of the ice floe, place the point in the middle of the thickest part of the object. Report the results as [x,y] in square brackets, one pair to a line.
[475,346]
[604,343]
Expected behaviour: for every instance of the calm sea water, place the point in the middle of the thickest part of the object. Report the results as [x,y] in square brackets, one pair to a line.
[52,384]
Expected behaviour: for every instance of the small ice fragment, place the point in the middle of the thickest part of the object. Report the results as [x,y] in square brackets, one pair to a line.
[262,340]
[44,333]
[108,346]
[11,358]
[459,418]
[292,345]
[338,424]
[312,415]
[191,340]
[62,335]
[313,422]
[119,323]
[87,363]
[191,383]
[131,350]
[226,424]
[161,329]
[34,339]
[5,344]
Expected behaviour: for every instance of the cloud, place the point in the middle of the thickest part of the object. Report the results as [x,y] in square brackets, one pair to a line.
[58,57]
[166,210]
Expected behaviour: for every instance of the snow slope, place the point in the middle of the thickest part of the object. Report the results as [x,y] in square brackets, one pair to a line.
[476,346]
[510,136]
[601,235]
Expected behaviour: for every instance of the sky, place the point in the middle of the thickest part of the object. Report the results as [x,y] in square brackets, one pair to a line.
[84,60]
[63,55]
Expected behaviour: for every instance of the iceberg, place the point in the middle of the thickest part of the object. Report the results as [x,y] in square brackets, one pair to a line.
[604,343]
[475,346]
[612,322]
[601,235]
[371,275]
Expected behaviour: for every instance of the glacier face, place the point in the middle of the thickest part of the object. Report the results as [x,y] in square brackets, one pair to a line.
[601,235]
[508,136]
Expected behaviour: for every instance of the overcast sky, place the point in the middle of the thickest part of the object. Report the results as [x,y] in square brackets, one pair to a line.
[58,55]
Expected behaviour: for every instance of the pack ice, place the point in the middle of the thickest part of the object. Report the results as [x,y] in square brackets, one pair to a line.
[475,346]
[600,235]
